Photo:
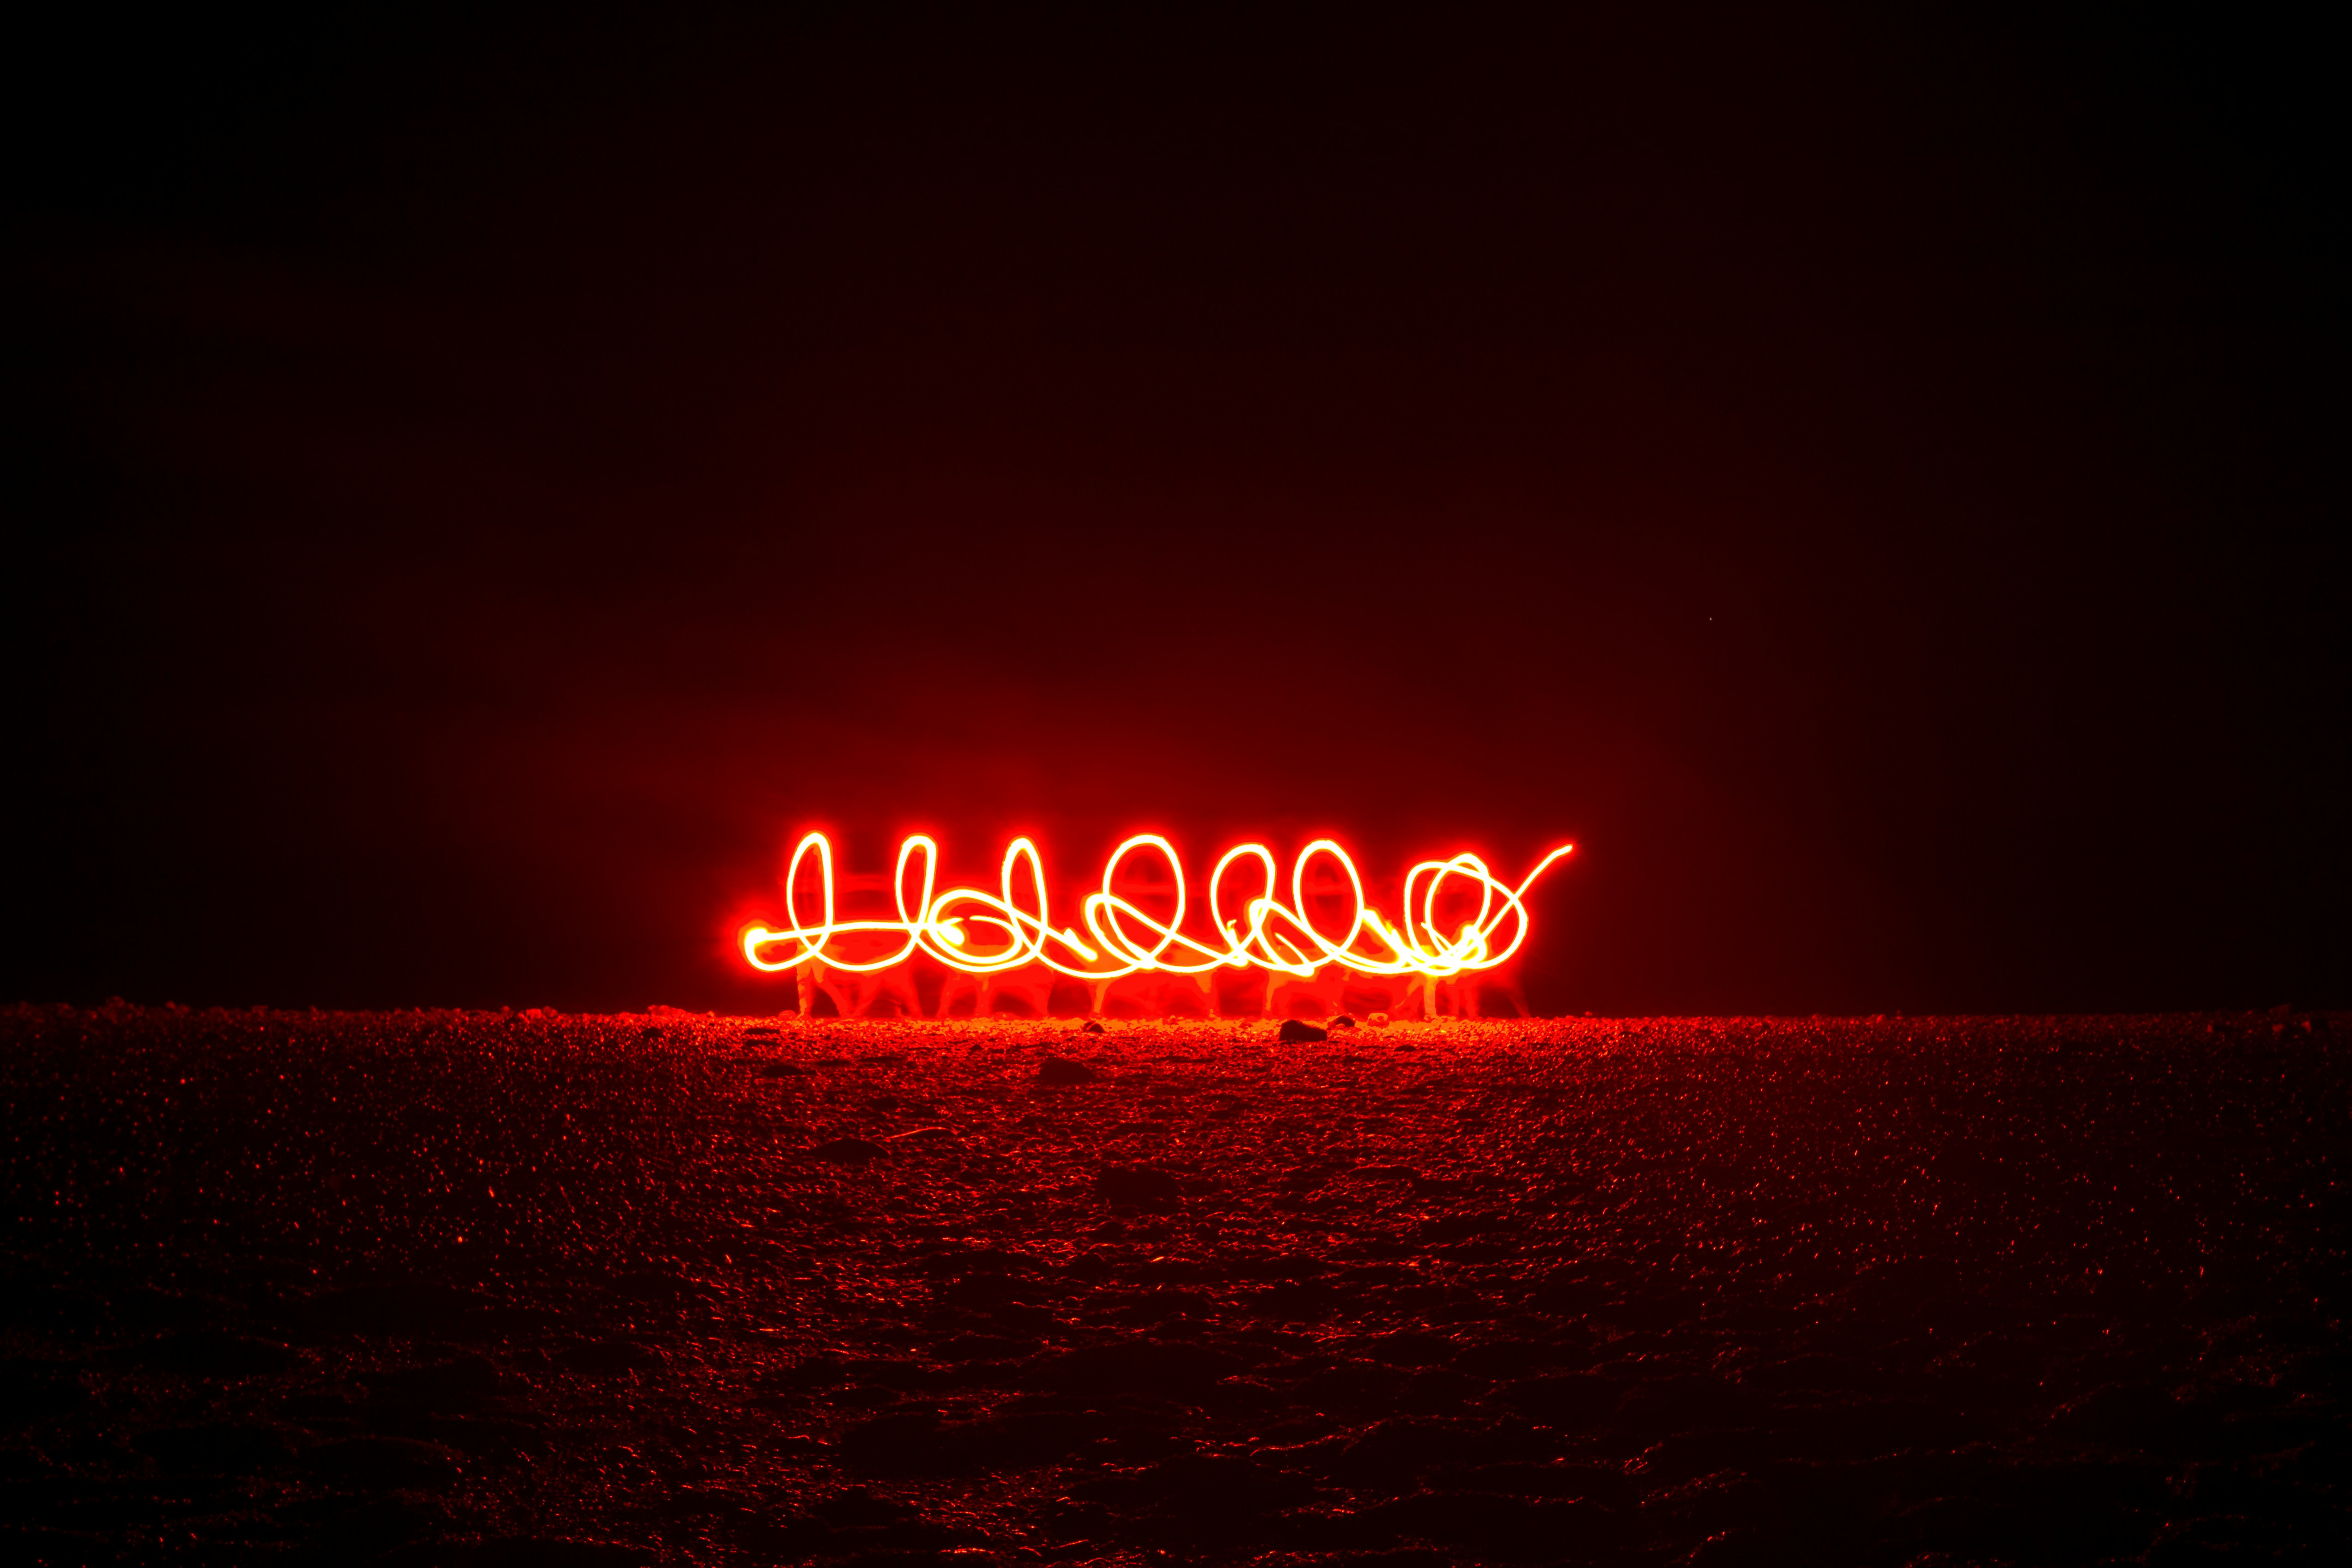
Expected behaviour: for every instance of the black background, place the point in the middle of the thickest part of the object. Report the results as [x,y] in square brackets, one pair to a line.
[482,487]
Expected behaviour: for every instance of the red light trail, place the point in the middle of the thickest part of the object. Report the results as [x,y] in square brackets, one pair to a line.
[981,933]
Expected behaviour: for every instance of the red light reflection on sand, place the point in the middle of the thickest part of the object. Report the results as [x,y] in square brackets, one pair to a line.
[983,933]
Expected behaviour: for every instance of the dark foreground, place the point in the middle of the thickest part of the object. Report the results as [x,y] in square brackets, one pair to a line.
[466,1289]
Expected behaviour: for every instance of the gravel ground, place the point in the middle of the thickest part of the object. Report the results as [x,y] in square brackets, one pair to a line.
[463,1288]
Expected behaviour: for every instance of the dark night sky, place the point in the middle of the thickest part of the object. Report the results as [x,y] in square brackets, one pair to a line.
[481,488]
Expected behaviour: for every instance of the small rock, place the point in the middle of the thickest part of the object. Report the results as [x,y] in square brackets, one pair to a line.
[1342,1021]
[1297,1031]
[1091,1027]
[1378,1021]
[847,1151]
[1062,1070]
[1139,1185]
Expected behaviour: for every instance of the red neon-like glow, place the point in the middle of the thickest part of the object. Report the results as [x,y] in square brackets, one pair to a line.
[983,933]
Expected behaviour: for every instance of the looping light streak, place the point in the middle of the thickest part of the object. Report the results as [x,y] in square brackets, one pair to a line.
[983,933]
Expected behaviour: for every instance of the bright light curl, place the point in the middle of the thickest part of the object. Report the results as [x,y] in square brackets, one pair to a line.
[983,933]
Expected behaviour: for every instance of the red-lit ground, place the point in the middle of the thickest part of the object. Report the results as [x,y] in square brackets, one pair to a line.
[442,1288]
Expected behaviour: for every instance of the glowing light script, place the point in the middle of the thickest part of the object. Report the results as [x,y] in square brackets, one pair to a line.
[983,933]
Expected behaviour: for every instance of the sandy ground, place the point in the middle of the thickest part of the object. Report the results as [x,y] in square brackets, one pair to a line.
[434,1288]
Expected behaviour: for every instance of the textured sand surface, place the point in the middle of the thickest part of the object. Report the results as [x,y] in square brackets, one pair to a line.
[464,1288]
